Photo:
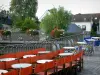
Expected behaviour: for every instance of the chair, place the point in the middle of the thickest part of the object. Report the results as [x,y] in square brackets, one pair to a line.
[60,65]
[29,52]
[35,51]
[2,65]
[26,71]
[34,59]
[70,67]
[25,60]
[78,58]
[9,63]
[50,67]
[10,55]
[45,69]
[40,68]
[51,55]
[12,72]
[20,54]
[60,51]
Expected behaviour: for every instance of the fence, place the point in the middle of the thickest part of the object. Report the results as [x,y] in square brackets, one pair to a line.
[49,44]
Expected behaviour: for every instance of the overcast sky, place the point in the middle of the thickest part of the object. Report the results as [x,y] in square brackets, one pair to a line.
[75,6]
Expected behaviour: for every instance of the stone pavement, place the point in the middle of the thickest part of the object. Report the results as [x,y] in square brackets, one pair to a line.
[92,64]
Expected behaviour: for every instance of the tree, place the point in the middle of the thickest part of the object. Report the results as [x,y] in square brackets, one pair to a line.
[28,23]
[5,17]
[56,18]
[23,8]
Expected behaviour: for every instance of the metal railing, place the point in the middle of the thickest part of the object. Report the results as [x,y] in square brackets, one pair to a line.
[49,44]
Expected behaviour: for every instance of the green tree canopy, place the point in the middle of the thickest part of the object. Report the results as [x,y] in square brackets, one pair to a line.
[56,18]
[28,23]
[24,8]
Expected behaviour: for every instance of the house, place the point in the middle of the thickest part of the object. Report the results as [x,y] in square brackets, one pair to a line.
[87,20]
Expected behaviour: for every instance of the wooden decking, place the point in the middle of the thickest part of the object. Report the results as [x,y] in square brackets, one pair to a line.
[92,64]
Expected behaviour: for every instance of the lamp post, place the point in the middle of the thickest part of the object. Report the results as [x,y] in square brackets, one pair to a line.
[42,33]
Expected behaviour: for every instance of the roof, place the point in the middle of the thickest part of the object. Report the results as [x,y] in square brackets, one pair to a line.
[73,28]
[86,17]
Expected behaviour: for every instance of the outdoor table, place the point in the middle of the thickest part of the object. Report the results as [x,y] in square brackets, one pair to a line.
[43,61]
[65,54]
[3,71]
[96,38]
[90,40]
[26,56]
[82,43]
[69,49]
[91,43]
[20,65]
[7,59]
[43,52]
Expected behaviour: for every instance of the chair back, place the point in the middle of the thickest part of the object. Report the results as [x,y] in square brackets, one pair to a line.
[25,60]
[20,54]
[39,68]
[59,61]
[9,63]
[12,72]
[2,65]
[26,71]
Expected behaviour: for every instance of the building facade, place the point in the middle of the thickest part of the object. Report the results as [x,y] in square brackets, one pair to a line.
[87,20]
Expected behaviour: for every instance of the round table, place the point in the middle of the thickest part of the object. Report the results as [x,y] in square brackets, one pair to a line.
[69,47]
[65,54]
[90,40]
[7,59]
[81,43]
[96,38]
[3,71]
[26,56]
[21,65]
[43,52]
[43,61]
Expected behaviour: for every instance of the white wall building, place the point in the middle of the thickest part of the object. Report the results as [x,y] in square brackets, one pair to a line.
[87,24]
[87,20]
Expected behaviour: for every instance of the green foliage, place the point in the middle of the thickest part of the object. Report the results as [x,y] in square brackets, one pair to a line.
[28,23]
[56,18]
[93,33]
[24,8]
[6,33]
[58,33]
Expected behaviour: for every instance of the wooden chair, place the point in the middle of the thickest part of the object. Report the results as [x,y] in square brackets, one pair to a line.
[29,52]
[25,60]
[10,55]
[35,51]
[2,65]
[26,71]
[12,72]
[60,66]
[20,54]
[45,69]
[9,63]
[70,67]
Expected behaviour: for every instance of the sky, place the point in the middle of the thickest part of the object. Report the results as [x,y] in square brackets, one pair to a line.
[75,6]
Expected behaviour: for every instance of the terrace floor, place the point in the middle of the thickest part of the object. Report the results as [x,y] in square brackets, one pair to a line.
[92,64]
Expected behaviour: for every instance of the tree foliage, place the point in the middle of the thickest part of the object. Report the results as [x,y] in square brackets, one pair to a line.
[24,8]
[56,18]
[28,23]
